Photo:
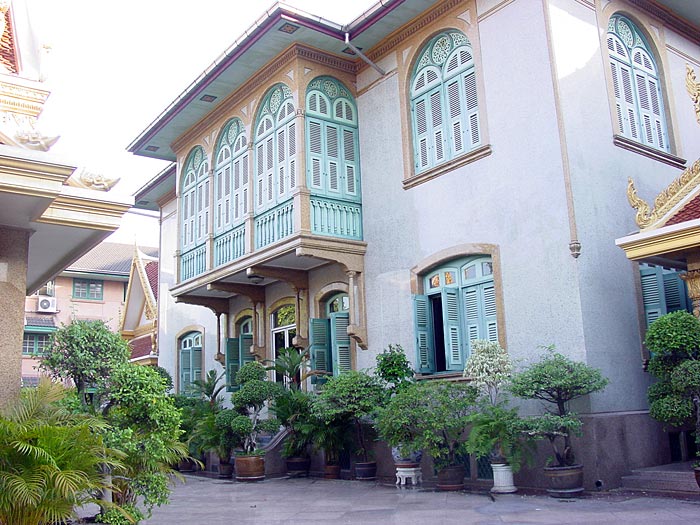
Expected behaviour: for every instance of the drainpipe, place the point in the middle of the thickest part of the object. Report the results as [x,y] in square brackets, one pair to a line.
[362,55]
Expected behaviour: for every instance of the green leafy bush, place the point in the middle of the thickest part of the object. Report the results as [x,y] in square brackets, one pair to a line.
[394,368]
[675,335]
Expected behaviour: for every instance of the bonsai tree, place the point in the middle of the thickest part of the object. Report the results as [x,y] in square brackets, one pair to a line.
[497,430]
[557,380]
[431,416]
[248,402]
[351,396]
[674,341]
[394,369]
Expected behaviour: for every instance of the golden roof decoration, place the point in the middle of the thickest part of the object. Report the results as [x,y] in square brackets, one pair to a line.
[693,87]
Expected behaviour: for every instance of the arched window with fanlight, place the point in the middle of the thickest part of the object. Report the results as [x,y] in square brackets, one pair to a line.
[275,148]
[329,342]
[194,213]
[444,104]
[637,87]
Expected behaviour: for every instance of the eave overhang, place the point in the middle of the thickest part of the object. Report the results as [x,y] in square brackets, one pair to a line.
[669,243]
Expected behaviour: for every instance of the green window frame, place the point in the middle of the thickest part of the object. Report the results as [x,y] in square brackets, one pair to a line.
[190,361]
[35,343]
[238,352]
[329,343]
[231,177]
[458,306]
[444,103]
[90,289]
[636,85]
[194,200]
[663,292]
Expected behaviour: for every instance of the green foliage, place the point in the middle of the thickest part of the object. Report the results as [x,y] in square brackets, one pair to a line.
[249,371]
[293,410]
[557,380]
[165,375]
[431,416]
[51,459]
[85,352]
[674,335]
[210,388]
[394,368]
[116,517]
[293,364]
[351,396]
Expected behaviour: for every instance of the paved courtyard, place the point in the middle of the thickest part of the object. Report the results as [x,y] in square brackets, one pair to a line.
[211,502]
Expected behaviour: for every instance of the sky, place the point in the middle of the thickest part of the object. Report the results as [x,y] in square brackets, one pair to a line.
[114,67]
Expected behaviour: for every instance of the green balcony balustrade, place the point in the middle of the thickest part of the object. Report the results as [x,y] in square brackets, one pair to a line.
[274,224]
[336,218]
[193,263]
[229,246]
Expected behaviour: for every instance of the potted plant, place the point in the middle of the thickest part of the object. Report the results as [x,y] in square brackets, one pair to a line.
[432,416]
[192,410]
[293,410]
[497,430]
[674,341]
[395,371]
[248,402]
[353,396]
[331,435]
[292,364]
[557,380]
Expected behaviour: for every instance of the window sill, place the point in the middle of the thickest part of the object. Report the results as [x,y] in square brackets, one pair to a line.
[91,301]
[445,376]
[450,165]
[647,151]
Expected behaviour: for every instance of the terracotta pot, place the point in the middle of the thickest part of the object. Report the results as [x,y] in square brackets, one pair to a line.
[298,467]
[250,468]
[366,471]
[451,478]
[225,470]
[331,471]
[565,482]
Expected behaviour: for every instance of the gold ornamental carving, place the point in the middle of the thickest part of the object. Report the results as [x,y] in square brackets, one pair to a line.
[693,87]
[692,279]
[666,200]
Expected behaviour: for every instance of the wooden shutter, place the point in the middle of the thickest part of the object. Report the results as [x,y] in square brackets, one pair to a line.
[196,363]
[332,164]
[675,295]
[437,127]
[453,337]
[340,342]
[420,133]
[319,348]
[185,369]
[315,154]
[233,362]
[350,161]
[472,109]
[424,334]
[652,298]
[488,294]
[455,112]
[471,313]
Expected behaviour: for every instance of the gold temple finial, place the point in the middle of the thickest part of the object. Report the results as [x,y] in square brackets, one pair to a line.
[645,216]
[693,87]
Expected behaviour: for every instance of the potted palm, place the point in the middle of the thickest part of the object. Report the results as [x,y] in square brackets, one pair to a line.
[293,410]
[353,396]
[557,380]
[432,416]
[248,403]
[497,430]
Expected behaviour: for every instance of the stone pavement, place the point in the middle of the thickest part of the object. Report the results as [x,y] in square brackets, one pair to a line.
[209,501]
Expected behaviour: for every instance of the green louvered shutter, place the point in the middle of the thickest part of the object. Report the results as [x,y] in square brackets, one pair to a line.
[453,338]
[340,342]
[424,334]
[675,294]
[185,369]
[246,343]
[471,313]
[233,362]
[314,141]
[196,363]
[319,345]
[652,288]
[332,164]
[490,321]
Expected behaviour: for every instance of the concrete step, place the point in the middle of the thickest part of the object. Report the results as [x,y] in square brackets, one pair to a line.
[658,479]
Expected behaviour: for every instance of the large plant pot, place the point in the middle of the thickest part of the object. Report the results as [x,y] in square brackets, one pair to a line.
[451,478]
[250,468]
[225,470]
[366,471]
[187,465]
[697,475]
[410,461]
[331,471]
[565,482]
[298,467]
[502,479]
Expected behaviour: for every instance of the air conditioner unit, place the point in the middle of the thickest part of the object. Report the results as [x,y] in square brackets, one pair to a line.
[46,304]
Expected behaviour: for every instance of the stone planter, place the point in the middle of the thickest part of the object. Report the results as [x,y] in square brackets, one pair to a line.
[366,471]
[565,482]
[502,479]
[250,468]
[451,478]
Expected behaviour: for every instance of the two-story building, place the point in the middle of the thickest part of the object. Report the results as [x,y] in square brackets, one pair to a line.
[431,173]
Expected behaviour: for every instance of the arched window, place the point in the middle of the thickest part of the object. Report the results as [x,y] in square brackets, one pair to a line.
[195,200]
[329,341]
[284,328]
[275,148]
[458,306]
[635,76]
[190,362]
[444,107]
[238,351]
[333,164]
[231,177]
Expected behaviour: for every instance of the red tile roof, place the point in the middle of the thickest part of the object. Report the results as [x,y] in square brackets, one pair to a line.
[690,211]
[140,347]
[152,274]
